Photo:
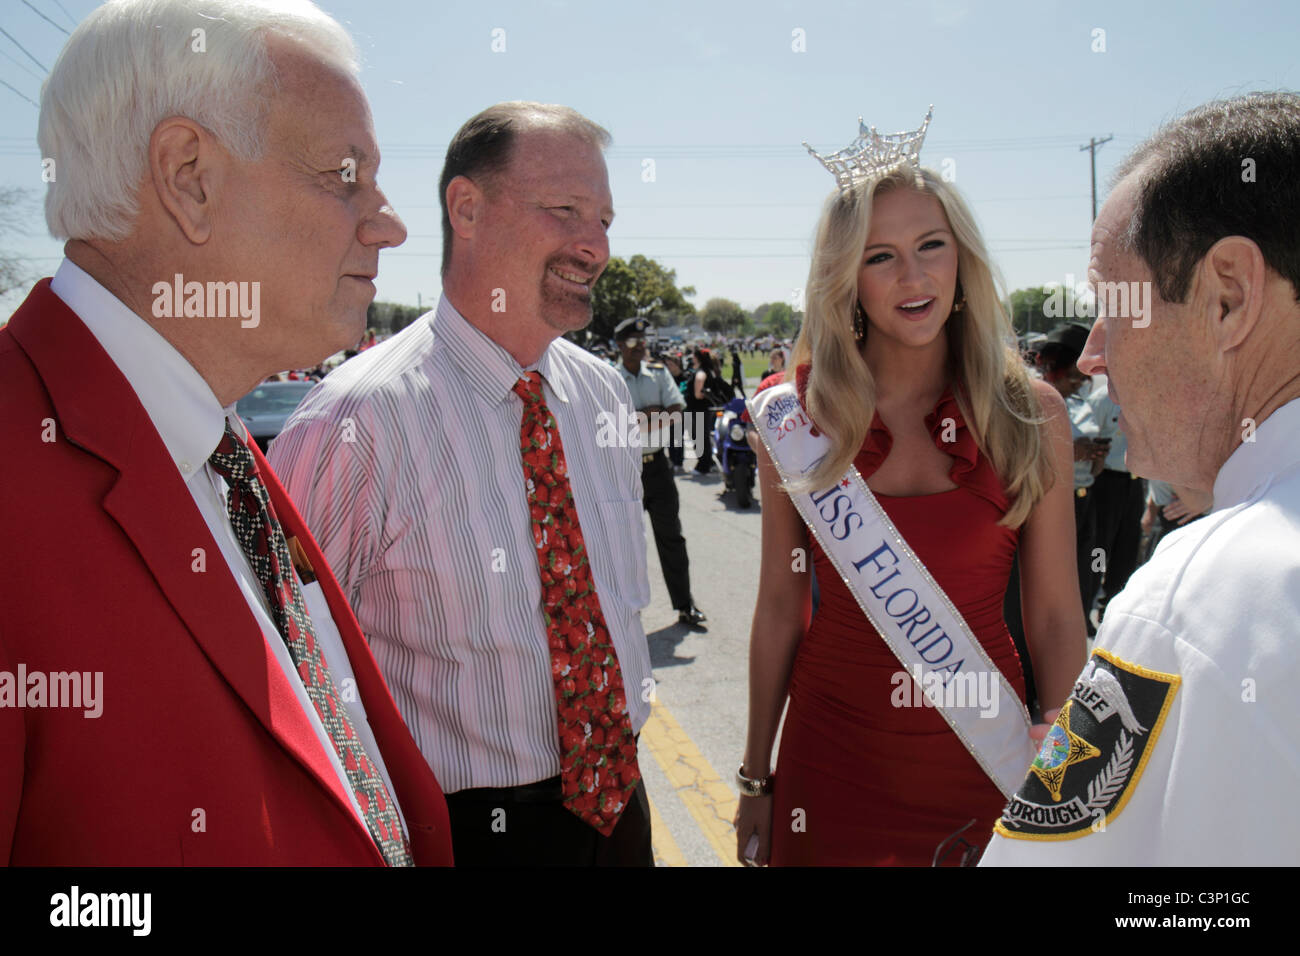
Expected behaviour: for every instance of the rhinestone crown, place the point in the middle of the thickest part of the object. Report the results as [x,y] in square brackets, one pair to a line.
[872,155]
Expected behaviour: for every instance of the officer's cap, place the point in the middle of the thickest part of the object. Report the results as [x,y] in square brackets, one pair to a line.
[631,328]
[1070,335]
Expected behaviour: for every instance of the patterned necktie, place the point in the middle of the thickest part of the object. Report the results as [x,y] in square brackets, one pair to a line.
[598,766]
[259,534]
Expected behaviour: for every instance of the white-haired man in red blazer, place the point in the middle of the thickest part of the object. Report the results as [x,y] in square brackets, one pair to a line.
[181,679]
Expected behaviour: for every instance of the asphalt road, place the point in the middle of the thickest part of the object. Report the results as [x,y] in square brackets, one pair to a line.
[695,740]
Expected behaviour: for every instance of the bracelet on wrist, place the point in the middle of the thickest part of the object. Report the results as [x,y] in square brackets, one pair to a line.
[750,787]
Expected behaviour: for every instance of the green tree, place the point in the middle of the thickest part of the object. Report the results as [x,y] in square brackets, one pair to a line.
[1043,308]
[639,287]
[389,317]
[722,315]
[15,271]
[778,319]
[1027,312]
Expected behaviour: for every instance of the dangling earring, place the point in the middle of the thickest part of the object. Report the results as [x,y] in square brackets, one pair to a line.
[859,322]
[960,302]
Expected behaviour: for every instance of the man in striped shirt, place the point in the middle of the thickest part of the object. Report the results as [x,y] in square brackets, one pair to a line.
[406,463]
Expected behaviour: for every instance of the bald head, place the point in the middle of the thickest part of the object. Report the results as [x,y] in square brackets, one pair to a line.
[483,148]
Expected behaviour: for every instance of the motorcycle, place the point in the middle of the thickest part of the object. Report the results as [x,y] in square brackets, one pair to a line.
[731,452]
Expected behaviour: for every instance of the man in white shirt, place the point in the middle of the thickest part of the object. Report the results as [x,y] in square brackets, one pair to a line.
[1177,745]
[407,464]
[1118,497]
[656,396]
[148,550]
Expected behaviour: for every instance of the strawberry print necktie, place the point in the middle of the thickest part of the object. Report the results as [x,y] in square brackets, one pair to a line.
[598,767]
[255,525]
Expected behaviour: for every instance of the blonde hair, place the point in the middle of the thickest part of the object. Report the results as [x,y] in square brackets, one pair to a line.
[991,384]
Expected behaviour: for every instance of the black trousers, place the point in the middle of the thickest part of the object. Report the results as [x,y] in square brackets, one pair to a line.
[1117,502]
[660,499]
[530,826]
[699,427]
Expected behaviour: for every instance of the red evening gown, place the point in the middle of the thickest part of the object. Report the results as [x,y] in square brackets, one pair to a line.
[878,784]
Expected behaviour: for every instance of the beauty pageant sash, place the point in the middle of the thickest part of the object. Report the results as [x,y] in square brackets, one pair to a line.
[944,665]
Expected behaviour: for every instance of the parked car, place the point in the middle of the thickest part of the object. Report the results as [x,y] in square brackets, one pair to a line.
[266,408]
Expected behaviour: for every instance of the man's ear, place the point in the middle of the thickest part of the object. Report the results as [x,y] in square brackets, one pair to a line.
[1233,274]
[465,202]
[180,153]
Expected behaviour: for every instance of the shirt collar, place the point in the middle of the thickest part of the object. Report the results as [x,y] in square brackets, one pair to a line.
[179,402]
[641,370]
[489,369]
[1274,447]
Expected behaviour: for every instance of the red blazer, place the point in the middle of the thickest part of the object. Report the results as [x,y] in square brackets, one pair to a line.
[202,754]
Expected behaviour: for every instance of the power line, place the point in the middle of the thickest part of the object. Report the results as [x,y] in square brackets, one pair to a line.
[20,64]
[802,239]
[24,49]
[775,255]
[739,204]
[45,18]
[21,93]
[71,18]
[1062,141]
[1093,144]
[762,151]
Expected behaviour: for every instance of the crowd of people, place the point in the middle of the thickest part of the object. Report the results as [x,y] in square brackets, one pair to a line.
[412,633]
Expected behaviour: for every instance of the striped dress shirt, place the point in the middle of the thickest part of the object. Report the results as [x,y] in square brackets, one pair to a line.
[405,463]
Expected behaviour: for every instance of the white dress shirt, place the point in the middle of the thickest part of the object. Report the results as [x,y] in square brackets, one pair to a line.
[1083,424]
[652,385]
[1106,414]
[1218,608]
[190,423]
[405,462]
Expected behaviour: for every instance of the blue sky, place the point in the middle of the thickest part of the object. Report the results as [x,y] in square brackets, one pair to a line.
[718,97]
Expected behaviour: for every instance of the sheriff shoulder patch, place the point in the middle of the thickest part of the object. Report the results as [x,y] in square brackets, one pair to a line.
[1094,754]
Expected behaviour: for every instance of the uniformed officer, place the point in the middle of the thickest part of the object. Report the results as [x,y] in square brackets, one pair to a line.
[1056,360]
[653,390]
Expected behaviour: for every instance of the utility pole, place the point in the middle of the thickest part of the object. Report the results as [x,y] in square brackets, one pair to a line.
[1093,143]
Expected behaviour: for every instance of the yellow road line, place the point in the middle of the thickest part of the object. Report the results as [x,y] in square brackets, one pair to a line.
[665,847]
[709,800]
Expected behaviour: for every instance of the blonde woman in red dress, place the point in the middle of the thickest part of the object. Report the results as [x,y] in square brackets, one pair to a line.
[903,363]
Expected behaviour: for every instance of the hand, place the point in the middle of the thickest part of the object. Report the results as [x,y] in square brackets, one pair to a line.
[1148,521]
[1178,511]
[754,818]
[1038,732]
[1089,449]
